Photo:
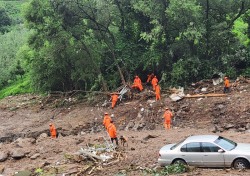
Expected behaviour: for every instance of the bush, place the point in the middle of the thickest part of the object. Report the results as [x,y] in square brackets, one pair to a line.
[185,71]
[168,170]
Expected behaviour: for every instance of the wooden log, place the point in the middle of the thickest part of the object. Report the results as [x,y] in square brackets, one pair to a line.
[205,95]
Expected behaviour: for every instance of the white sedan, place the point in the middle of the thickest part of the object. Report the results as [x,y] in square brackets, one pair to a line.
[206,151]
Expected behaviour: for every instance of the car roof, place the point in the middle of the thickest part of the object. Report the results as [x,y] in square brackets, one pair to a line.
[202,138]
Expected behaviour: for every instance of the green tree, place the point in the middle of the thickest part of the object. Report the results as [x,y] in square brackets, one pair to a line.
[5,20]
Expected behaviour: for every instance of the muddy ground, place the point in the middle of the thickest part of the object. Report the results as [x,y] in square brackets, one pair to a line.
[24,128]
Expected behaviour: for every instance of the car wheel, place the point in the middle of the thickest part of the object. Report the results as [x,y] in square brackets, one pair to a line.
[179,161]
[241,164]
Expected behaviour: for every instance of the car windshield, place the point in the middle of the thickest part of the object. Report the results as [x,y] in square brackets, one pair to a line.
[225,143]
[176,145]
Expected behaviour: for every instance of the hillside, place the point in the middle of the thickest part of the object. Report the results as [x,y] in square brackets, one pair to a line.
[25,119]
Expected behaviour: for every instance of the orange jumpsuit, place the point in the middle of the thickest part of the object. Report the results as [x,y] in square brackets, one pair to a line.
[150,77]
[114,98]
[226,85]
[167,115]
[52,130]
[112,130]
[154,82]
[106,120]
[157,92]
[137,83]
[112,133]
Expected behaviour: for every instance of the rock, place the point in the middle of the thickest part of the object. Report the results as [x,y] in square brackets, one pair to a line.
[241,129]
[18,154]
[6,138]
[1,169]
[36,155]
[149,137]
[43,164]
[220,129]
[3,156]
[129,126]
[214,129]
[41,137]
[228,126]
[23,173]
[220,106]
[25,142]
[190,168]
[248,126]
[139,126]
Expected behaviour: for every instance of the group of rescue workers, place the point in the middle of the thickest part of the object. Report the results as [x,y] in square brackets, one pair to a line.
[137,84]
[108,122]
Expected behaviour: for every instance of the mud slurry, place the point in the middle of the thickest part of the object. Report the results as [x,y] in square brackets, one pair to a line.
[24,126]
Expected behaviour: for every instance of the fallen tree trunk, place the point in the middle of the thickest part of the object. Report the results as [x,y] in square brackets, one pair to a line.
[205,95]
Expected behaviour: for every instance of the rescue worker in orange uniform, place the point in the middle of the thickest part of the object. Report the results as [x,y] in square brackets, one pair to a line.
[167,116]
[52,130]
[114,98]
[137,83]
[150,77]
[106,120]
[112,132]
[157,92]
[154,82]
[226,85]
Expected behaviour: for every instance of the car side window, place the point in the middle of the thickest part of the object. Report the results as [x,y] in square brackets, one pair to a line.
[209,147]
[191,147]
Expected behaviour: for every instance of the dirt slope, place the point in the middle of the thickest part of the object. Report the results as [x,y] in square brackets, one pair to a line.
[24,118]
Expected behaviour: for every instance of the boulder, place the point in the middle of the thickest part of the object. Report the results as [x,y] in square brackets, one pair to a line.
[241,129]
[3,156]
[228,126]
[41,137]
[18,154]
[23,142]
[36,155]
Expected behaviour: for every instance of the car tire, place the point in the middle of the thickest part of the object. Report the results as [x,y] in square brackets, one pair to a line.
[241,164]
[179,161]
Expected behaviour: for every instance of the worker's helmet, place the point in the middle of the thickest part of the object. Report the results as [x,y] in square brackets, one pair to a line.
[50,124]
[106,113]
[166,108]
[225,77]
[136,76]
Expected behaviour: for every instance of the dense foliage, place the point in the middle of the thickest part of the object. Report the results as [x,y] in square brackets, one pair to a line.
[13,36]
[101,44]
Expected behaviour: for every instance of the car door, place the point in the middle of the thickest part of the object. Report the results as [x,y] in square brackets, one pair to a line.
[191,153]
[211,157]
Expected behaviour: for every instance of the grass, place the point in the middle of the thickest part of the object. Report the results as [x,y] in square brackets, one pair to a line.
[21,86]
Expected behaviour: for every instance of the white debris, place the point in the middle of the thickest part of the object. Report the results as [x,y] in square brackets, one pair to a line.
[177,94]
